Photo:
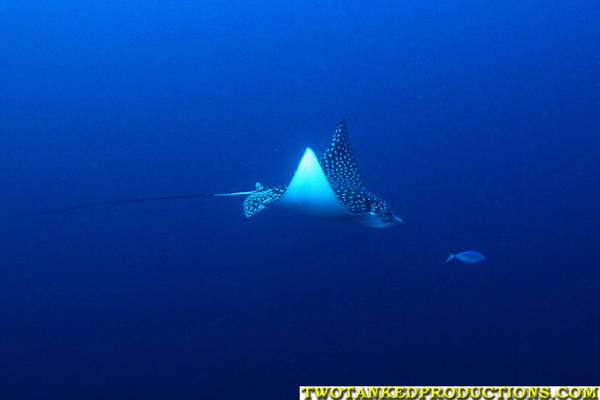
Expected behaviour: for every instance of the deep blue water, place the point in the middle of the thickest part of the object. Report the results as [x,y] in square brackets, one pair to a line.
[477,121]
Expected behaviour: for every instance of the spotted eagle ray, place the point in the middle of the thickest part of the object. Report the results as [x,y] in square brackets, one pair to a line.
[331,188]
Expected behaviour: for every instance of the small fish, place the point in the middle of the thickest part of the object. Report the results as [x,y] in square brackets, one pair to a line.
[469,256]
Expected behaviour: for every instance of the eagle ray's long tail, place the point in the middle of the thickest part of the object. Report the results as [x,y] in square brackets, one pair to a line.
[144,199]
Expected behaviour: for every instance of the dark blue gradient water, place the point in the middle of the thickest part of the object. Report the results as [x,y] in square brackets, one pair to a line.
[477,121]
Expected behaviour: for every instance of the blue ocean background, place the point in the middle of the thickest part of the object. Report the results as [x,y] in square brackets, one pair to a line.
[477,121]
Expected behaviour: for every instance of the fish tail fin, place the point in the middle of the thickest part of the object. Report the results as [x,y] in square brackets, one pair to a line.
[450,257]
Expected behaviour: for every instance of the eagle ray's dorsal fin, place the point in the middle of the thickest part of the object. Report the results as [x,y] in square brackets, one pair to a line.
[339,163]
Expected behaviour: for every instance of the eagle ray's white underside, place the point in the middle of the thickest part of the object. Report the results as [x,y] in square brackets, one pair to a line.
[309,192]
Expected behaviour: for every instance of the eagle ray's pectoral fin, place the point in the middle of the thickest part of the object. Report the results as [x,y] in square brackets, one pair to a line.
[263,197]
